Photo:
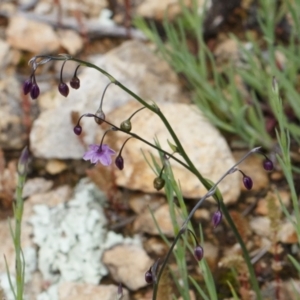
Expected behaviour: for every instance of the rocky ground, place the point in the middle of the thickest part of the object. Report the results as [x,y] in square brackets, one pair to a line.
[87,228]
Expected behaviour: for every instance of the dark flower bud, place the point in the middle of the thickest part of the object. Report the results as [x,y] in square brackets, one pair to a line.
[158,183]
[119,162]
[75,83]
[217,218]
[63,89]
[35,91]
[77,129]
[198,252]
[126,125]
[99,115]
[27,86]
[149,276]
[23,161]
[248,183]
[268,165]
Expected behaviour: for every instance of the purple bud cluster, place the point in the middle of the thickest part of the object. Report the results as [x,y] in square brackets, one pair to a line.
[30,86]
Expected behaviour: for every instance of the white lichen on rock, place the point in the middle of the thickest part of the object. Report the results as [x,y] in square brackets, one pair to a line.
[72,237]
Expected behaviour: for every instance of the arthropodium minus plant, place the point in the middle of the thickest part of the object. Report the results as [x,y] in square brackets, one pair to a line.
[102,153]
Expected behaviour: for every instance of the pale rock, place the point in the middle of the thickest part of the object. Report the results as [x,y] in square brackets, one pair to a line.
[141,202]
[203,143]
[287,234]
[32,36]
[155,245]
[135,66]
[145,223]
[83,291]
[12,129]
[261,226]
[158,9]
[55,166]
[253,167]
[89,8]
[211,254]
[262,205]
[128,264]
[36,186]
[202,214]
[70,40]
[7,55]
[59,195]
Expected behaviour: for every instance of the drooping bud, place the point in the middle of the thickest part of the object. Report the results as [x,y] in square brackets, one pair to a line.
[216,218]
[77,129]
[198,252]
[23,161]
[35,91]
[126,125]
[100,116]
[268,165]
[27,86]
[119,162]
[63,89]
[158,183]
[248,183]
[75,83]
[149,276]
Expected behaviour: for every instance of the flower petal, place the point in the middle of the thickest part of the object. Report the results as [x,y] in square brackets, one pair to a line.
[105,160]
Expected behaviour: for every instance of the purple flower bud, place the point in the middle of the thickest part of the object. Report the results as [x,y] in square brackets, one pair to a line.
[77,129]
[268,165]
[217,218]
[198,252]
[248,183]
[35,91]
[63,89]
[149,276]
[23,161]
[27,86]
[158,183]
[75,83]
[119,162]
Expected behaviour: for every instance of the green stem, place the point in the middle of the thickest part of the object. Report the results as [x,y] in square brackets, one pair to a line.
[253,279]
[18,214]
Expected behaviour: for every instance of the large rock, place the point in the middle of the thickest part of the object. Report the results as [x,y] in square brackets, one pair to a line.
[13,124]
[134,65]
[128,265]
[203,143]
[81,291]
[28,35]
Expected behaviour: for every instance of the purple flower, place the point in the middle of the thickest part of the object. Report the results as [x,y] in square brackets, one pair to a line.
[99,154]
